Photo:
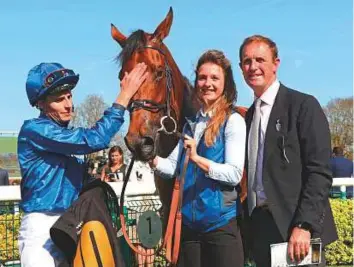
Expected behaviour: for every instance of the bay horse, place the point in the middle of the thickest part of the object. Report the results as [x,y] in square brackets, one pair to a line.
[165,93]
[165,98]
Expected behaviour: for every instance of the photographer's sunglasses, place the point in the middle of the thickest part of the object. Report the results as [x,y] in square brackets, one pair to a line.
[56,75]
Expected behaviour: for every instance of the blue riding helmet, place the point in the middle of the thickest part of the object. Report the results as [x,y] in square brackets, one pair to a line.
[47,78]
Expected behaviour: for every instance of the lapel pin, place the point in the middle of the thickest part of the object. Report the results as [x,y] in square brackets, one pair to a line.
[278,125]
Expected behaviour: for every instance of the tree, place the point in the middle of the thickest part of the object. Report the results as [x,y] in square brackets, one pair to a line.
[90,111]
[339,112]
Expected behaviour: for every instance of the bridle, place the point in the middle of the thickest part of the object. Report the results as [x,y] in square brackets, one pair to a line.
[169,127]
[168,123]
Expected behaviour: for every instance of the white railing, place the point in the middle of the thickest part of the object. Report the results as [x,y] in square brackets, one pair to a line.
[146,186]
[135,187]
[8,133]
[343,181]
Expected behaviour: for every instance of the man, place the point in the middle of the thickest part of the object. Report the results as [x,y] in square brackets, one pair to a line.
[4,176]
[51,176]
[288,151]
[341,167]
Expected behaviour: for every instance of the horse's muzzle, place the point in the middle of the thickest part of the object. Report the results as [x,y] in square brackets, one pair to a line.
[147,148]
[142,148]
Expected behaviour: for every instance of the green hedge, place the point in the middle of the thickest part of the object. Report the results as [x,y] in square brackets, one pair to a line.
[341,251]
[9,226]
[337,253]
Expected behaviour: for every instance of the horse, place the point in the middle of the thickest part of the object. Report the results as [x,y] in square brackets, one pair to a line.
[163,95]
[163,100]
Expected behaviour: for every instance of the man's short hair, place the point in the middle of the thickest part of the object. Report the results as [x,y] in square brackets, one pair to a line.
[338,151]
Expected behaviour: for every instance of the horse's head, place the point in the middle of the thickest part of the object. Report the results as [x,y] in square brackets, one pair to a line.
[160,97]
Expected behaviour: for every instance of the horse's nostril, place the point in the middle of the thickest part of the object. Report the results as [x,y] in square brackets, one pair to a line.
[147,141]
[146,148]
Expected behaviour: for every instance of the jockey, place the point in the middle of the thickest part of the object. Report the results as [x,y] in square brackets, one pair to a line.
[51,175]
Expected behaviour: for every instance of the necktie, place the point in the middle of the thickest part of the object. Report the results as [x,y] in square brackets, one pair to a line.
[253,142]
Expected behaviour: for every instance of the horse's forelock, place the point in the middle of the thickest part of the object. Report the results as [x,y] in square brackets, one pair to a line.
[134,42]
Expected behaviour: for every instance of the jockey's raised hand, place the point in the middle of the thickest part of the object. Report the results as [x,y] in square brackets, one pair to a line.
[130,83]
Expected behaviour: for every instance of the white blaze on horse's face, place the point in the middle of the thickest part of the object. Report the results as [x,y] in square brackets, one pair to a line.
[210,83]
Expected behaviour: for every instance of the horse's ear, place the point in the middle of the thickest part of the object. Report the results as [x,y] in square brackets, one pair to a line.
[118,36]
[163,29]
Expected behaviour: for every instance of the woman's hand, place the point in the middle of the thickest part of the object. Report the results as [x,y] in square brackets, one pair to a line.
[189,142]
[104,178]
[200,161]
[153,163]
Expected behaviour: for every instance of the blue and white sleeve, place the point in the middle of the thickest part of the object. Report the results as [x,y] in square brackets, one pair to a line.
[167,167]
[231,171]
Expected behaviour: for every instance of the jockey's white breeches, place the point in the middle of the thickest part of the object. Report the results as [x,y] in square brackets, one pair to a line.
[35,245]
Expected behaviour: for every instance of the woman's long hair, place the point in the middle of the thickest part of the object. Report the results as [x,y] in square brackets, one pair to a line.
[223,106]
[111,151]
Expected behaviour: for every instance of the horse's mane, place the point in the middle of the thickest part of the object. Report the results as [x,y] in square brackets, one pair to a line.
[134,42]
[190,104]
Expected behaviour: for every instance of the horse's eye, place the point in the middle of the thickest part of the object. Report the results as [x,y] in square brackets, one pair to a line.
[159,74]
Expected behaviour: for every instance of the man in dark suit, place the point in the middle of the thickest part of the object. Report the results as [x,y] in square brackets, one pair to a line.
[288,152]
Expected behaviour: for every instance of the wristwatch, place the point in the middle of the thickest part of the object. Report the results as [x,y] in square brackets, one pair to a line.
[304,225]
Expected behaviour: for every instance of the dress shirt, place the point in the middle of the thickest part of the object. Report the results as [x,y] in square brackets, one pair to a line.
[229,172]
[267,98]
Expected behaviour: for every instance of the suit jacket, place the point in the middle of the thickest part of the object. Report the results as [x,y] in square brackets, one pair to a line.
[4,177]
[297,187]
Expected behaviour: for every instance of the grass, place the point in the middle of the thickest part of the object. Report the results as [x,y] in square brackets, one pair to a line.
[8,144]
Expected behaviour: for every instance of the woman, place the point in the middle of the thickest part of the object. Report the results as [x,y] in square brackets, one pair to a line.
[216,139]
[115,169]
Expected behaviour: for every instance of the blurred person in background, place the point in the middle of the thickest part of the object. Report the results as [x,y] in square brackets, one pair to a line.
[4,175]
[341,166]
[115,169]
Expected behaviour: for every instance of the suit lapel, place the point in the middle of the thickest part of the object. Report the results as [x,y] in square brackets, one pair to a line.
[251,196]
[277,123]
[249,116]
[248,119]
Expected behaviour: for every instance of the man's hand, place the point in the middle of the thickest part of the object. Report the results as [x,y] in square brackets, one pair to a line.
[299,244]
[130,83]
